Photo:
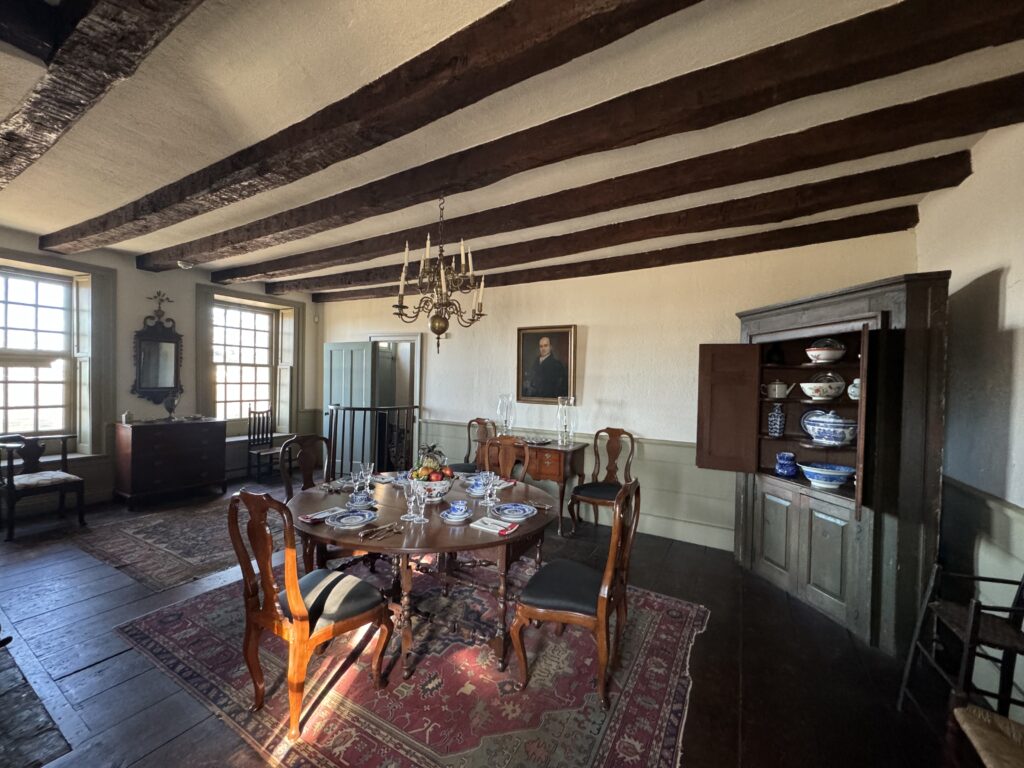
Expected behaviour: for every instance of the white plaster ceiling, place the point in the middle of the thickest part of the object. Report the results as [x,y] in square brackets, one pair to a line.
[236,71]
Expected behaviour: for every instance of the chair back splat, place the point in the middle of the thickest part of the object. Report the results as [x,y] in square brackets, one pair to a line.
[503,452]
[31,478]
[307,452]
[260,586]
[613,450]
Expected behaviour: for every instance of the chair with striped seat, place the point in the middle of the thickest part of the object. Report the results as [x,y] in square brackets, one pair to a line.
[602,492]
[307,612]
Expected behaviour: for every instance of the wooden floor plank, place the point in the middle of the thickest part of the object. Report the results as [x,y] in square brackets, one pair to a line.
[211,744]
[98,678]
[60,575]
[26,607]
[134,738]
[108,708]
[70,615]
[90,651]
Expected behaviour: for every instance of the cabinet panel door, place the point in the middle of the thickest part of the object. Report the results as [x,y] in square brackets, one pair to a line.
[829,578]
[727,407]
[776,518]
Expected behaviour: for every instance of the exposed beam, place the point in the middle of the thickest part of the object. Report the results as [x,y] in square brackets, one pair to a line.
[895,39]
[107,46]
[806,200]
[892,220]
[38,28]
[517,41]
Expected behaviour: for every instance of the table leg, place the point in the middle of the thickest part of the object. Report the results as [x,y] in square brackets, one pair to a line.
[405,620]
[321,555]
[561,504]
[500,641]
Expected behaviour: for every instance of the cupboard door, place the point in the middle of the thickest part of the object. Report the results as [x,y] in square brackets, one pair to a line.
[776,523]
[828,553]
[727,407]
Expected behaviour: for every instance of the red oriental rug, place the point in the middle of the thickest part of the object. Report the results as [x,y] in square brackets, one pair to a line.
[457,709]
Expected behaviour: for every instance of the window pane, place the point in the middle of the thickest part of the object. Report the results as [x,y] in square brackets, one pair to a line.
[262,357]
[263,405]
[231,336]
[262,339]
[21,339]
[233,411]
[3,288]
[22,394]
[248,374]
[52,372]
[51,419]
[21,290]
[232,355]
[263,391]
[219,397]
[218,353]
[233,373]
[52,295]
[218,335]
[232,392]
[222,374]
[248,320]
[248,338]
[248,355]
[51,342]
[51,394]
[52,320]
[263,374]
[262,322]
[218,315]
[21,374]
[232,318]
[21,420]
[248,391]
[220,410]
[19,316]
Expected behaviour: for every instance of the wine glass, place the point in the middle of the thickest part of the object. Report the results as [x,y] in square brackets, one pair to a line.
[420,492]
[411,515]
[490,489]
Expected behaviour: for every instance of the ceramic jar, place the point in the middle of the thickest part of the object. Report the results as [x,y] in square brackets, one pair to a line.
[776,421]
[854,390]
[785,464]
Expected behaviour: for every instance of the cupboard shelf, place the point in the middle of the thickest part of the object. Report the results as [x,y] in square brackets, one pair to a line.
[845,491]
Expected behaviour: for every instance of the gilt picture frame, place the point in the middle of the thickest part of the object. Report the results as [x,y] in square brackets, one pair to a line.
[545,363]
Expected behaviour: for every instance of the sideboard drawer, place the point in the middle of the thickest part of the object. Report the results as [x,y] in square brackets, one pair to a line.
[157,458]
[547,464]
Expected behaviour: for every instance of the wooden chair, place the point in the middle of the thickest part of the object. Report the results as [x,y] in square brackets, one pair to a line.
[310,611]
[478,432]
[502,453]
[973,625]
[31,479]
[261,442]
[602,493]
[308,452]
[568,592]
[979,737]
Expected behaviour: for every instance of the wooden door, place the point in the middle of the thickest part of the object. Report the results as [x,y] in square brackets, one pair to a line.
[830,574]
[348,380]
[776,534]
[727,407]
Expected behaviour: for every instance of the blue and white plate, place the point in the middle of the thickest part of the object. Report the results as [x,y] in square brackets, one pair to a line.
[476,492]
[371,507]
[514,511]
[355,518]
[452,518]
[369,504]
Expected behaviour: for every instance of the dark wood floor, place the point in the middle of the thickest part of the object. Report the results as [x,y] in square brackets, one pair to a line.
[774,683]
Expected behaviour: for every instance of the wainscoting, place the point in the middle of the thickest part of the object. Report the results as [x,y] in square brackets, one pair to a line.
[680,501]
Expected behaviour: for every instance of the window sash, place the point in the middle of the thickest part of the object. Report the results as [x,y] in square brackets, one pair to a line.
[240,382]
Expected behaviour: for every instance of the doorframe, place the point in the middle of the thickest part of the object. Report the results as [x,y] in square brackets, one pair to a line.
[417,377]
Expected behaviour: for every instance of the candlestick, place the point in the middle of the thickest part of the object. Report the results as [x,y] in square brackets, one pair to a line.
[462,256]
[470,262]
[405,263]
[481,300]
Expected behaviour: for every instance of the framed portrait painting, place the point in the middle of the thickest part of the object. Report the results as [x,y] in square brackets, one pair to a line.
[546,363]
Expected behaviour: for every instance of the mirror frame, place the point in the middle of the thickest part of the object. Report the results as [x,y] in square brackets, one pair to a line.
[157,328]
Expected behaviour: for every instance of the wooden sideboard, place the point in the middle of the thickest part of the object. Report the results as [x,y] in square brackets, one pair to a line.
[161,456]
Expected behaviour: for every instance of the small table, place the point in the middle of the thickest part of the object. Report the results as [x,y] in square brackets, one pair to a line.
[432,537]
[556,463]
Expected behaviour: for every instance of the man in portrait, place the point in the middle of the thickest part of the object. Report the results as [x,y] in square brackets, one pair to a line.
[546,376]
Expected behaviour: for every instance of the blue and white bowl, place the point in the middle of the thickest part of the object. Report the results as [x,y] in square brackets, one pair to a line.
[829,428]
[826,476]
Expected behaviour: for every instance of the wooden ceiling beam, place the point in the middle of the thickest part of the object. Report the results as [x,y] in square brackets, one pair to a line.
[105,47]
[892,40]
[517,41]
[913,178]
[881,222]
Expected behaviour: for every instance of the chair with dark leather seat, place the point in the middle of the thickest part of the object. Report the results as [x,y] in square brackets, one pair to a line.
[972,626]
[602,492]
[478,432]
[568,592]
[305,614]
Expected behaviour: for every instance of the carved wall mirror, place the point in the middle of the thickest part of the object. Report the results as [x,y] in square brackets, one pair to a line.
[157,355]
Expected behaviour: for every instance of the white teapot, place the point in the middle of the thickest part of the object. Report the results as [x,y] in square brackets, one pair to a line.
[777,390]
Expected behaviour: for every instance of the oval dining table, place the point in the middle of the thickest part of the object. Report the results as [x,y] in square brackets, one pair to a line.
[433,537]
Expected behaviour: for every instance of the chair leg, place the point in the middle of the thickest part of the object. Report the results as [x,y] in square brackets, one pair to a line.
[601,635]
[298,658]
[595,514]
[384,631]
[912,653]
[620,622]
[965,680]
[251,651]
[559,629]
[572,515]
[517,643]
[1006,670]
[61,501]
[248,466]
[80,504]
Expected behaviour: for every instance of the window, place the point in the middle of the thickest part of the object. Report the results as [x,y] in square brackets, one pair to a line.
[36,395]
[243,351]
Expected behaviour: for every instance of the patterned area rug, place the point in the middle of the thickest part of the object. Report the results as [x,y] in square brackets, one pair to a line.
[170,546]
[457,709]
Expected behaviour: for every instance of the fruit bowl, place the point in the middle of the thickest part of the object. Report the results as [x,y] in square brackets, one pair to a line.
[435,489]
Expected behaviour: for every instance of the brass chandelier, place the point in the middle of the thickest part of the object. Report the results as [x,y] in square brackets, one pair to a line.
[439,283]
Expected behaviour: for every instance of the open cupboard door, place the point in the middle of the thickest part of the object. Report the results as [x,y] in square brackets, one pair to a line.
[728,407]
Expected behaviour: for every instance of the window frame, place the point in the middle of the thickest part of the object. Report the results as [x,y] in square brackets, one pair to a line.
[272,354]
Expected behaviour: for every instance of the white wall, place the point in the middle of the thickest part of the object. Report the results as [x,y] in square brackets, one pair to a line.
[637,345]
